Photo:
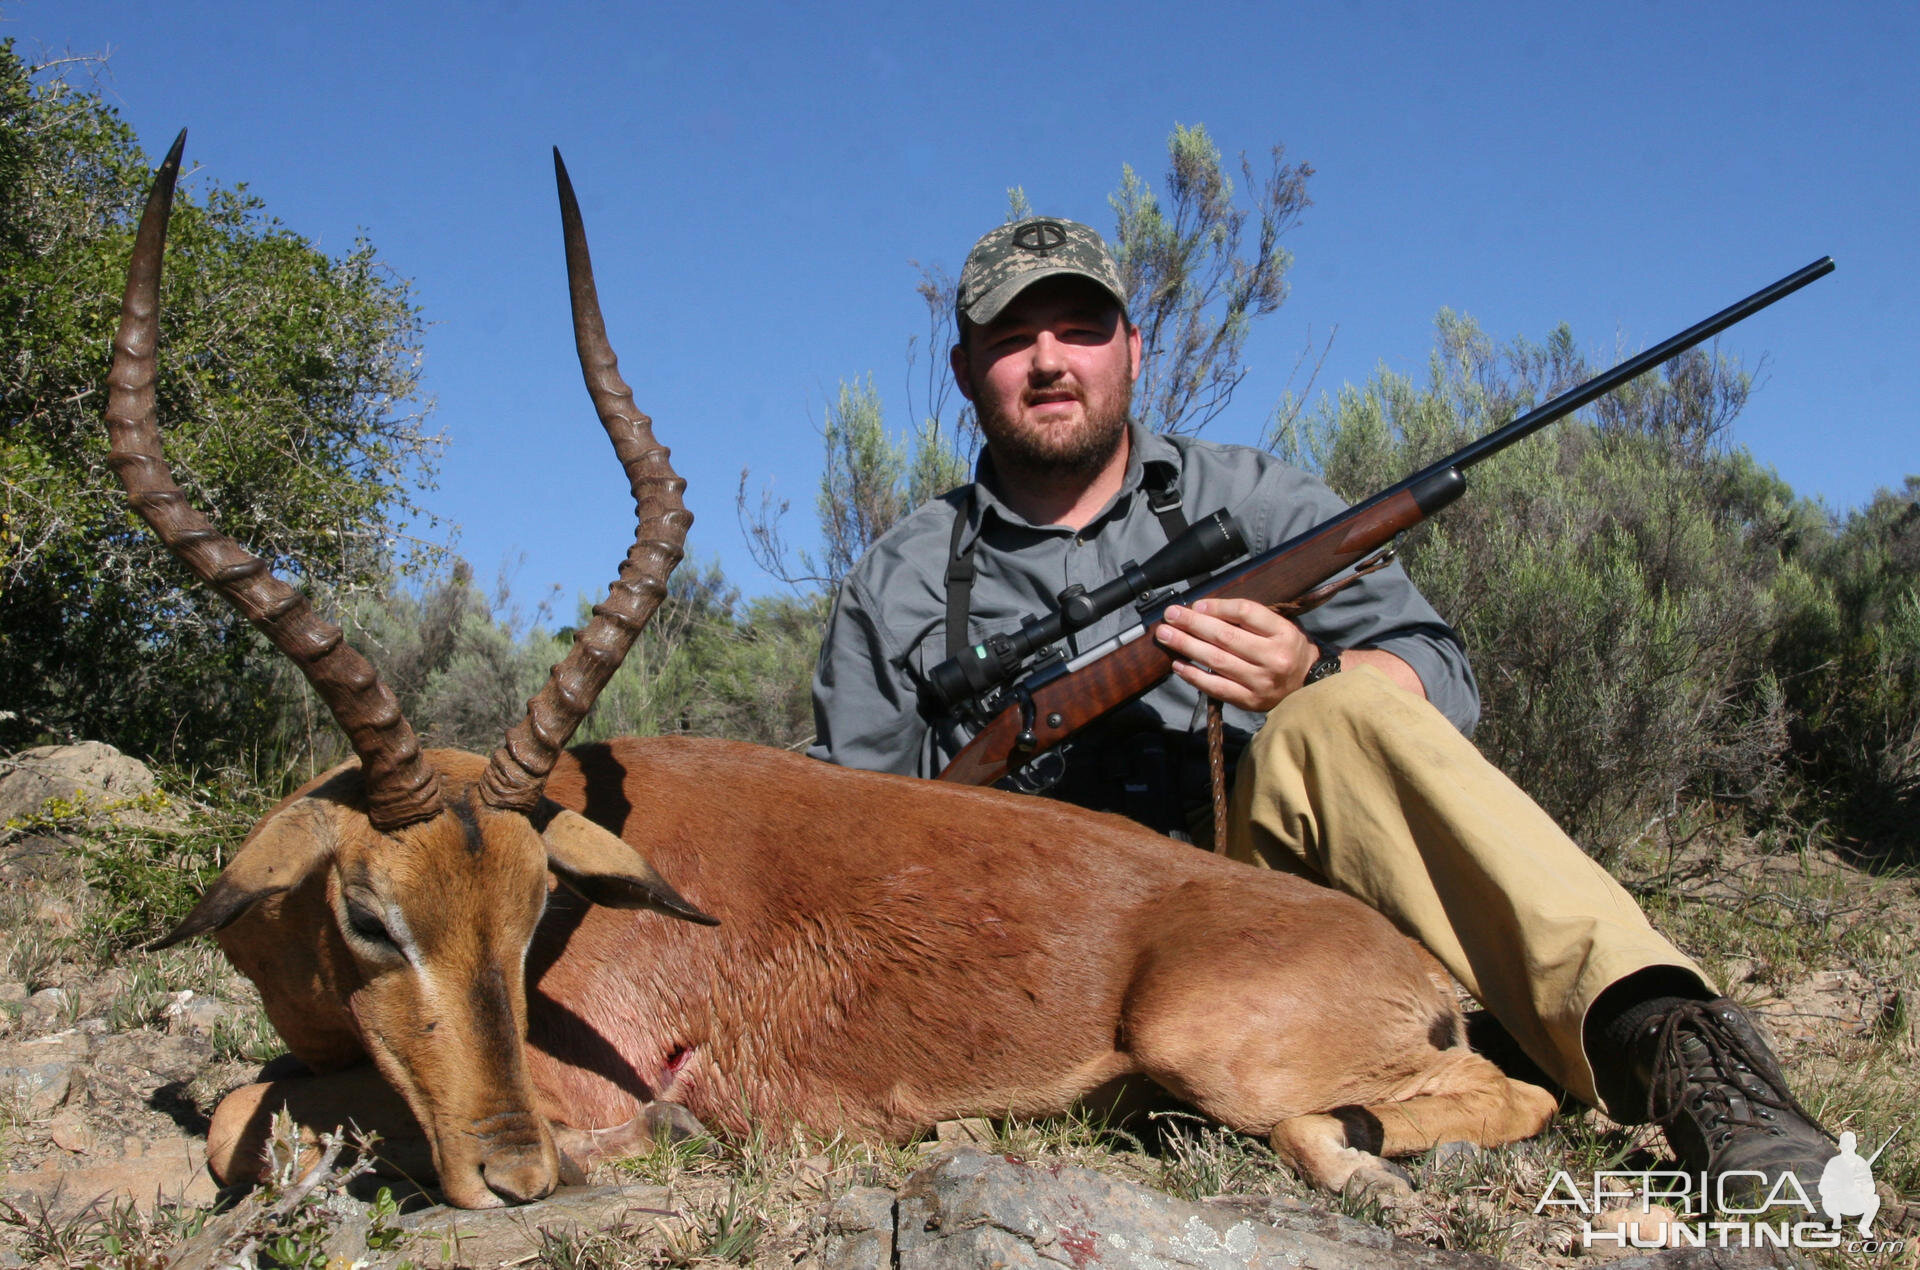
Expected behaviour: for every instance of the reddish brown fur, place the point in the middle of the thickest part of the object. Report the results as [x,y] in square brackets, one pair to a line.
[892,952]
[946,952]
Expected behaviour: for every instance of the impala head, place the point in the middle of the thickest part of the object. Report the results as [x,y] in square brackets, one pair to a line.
[388,909]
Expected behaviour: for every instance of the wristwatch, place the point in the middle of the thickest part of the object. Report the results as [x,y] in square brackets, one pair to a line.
[1328,663]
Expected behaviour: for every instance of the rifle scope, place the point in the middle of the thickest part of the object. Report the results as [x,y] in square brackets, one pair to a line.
[1207,544]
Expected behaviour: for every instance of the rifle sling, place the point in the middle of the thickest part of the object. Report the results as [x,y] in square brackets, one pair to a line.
[1162,488]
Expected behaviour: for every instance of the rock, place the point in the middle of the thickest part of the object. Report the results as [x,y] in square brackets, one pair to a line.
[193,1013]
[44,1009]
[101,773]
[349,1223]
[64,1047]
[970,1209]
[857,1230]
[39,1092]
[176,1173]
[1293,1215]
[973,1131]
[440,1236]
[13,995]
[70,1132]
[162,1058]
[511,1236]
[39,860]
[1456,1154]
[43,1074]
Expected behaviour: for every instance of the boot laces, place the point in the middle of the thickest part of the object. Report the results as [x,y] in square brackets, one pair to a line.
[1702,1057]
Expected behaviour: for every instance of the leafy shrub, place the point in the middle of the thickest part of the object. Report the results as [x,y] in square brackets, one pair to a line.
[463,665]
[1848,660]
[284,379]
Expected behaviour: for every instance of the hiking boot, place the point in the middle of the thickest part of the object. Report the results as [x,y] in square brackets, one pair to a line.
[1717,1091]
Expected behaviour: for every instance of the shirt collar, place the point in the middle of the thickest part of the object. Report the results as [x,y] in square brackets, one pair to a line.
[1144,449]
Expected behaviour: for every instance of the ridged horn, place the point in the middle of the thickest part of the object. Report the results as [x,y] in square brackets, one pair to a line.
[518,770]
[401,786]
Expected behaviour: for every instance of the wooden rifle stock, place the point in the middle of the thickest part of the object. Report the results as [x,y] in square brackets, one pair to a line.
[1065,703]
[1058,700]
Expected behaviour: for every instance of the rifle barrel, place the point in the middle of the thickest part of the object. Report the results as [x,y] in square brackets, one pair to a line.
[1602,384]
[1079,693]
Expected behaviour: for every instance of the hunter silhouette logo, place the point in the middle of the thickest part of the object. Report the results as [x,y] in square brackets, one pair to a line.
[1846,1184]
[1701,1213]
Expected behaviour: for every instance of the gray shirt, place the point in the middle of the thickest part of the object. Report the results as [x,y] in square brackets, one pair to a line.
[888,628]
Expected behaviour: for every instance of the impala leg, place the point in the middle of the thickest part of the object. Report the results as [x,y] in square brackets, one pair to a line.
[1467,1099]
[654,1124]
[355,1098]
[1369,1063]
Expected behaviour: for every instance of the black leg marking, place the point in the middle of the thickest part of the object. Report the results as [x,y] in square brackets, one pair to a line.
[1362,1127]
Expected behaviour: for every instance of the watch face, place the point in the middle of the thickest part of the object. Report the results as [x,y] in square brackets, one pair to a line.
[1329,663]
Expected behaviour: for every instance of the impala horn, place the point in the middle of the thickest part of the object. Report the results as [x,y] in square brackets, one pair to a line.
[401,786]
[517,771]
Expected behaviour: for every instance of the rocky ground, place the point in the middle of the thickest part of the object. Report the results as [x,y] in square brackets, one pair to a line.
[111,1059]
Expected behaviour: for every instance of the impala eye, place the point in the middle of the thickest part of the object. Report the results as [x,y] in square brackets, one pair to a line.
[366,923]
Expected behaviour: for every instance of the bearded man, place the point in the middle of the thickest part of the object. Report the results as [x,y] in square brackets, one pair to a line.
[1356,770]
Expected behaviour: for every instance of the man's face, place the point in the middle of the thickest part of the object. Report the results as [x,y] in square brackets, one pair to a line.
[1052,377]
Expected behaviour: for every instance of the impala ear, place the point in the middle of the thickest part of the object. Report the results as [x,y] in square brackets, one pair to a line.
[604,869]
[281,853]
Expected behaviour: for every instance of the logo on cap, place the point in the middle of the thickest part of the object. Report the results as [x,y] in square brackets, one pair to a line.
[1040,237]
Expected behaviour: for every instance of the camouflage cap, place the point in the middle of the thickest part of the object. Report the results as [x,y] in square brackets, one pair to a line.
[1008,260]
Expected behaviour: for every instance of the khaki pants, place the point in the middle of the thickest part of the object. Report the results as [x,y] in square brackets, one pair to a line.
[1360,784]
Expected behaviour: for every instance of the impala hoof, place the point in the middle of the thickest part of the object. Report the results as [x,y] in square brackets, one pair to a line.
[671,1122]
[654,1124]
[1379,1181]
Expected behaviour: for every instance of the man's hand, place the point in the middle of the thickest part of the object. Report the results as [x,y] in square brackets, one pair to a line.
[1243,653]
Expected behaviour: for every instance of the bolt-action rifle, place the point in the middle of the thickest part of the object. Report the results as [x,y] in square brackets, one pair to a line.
[1029,697]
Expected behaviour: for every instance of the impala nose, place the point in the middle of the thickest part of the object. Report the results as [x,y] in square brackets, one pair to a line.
[517,1160]
[520,1177]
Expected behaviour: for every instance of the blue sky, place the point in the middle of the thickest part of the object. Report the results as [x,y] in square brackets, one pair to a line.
[757,179]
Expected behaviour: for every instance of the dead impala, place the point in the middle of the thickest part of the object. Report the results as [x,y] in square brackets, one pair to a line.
[882,952]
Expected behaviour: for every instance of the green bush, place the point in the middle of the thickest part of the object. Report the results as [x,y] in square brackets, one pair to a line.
[712,665]
[284,379]
[1848,657]
[463,665]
